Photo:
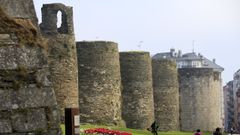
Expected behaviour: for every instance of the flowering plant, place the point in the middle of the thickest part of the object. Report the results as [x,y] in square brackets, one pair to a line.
[105,131]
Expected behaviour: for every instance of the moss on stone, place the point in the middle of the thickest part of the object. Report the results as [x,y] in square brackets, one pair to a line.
[26,32]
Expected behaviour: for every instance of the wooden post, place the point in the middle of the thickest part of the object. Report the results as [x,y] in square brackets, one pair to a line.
[72,124]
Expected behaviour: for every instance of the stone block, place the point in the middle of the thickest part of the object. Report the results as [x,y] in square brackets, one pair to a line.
[53,117]
[5,100]
[32,97]
[12,56]
[54,132]
[5,126]
[42,77]
[8,59]
[22,134]
[29,120]
[5,39]
[31,57]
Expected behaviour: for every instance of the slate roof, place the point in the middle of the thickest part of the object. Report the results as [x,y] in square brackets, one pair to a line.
[190,56]
[162,55]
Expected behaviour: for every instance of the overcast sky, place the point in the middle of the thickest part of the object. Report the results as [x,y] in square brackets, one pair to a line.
[158,25]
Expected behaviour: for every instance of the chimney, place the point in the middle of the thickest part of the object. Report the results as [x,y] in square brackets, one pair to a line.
[179,53]
[172,51]
[214,60]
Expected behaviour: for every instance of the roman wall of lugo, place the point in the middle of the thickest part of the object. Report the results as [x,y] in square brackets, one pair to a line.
[62,55]
[99,83]
[166,94]
[39,73]
[27,99]
[137,91]
[199,99]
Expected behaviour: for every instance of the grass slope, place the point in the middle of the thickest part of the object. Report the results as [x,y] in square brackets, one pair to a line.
[134,131]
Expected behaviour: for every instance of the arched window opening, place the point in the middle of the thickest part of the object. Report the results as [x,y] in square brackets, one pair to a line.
[59,19]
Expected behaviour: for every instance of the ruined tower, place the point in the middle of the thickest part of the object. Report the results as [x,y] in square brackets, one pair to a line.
[200,99]
[166,94]
[27,100]
[99,82]
[61,53]
[137,92]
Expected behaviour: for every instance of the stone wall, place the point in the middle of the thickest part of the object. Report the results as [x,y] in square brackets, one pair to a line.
[236,109]
[61,54]
[228,106]
[166,94]
[137,93]
[27,100]
[200,93]
[99,83]
[20,9]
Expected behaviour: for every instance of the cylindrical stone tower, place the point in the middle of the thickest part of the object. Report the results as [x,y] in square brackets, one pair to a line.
[200,96]
[166,94]
[99,83]
[61,54]
[137,93]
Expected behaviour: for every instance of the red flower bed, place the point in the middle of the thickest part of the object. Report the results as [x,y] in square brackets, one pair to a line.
[105,131]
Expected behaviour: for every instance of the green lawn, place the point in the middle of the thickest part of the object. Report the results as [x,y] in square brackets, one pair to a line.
[136,132]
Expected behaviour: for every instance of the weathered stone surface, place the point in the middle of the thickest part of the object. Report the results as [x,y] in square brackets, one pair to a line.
[36,97]
[137,93]
[6,39]
[29,120]
[166,94]
[63,70]
[20,9]
[53,132]
[21,134]
[53,117]
[99,82]
[5,100]
[200,90]
[5,126]
[13,56]
[43,77]
[61,54]
[25,90]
